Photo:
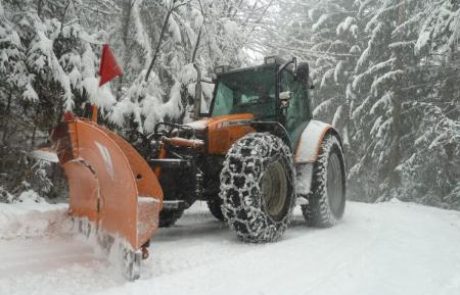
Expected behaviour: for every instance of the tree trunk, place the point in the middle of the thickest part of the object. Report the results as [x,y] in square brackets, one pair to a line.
[6,117]
[126,23]
[160,41]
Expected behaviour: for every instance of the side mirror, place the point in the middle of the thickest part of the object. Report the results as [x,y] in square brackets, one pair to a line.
[285,96]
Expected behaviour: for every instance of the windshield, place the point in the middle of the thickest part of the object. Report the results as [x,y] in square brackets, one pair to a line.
[249,91]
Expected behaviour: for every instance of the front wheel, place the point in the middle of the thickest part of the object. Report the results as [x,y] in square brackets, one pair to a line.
[214,206]
[326,201]
[168,217]
[257,187]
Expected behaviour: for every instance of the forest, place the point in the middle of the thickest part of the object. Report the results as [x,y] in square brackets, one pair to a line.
[386,76]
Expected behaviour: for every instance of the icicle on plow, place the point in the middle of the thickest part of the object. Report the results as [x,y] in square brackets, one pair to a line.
[113,191]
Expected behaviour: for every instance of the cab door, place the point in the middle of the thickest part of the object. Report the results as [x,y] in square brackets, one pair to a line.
[297,114]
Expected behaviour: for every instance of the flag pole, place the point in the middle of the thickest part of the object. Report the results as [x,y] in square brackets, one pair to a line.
[108,70]
[94,113]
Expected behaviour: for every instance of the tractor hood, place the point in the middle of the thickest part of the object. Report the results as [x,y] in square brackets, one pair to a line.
[221,121]
[222,131]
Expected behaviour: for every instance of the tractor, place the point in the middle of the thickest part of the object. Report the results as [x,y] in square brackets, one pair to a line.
[252,157]
[253,154]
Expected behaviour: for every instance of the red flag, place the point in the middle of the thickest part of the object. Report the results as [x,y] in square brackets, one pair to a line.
[109,68]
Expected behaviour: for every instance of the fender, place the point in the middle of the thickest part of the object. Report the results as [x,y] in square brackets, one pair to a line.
[307,152]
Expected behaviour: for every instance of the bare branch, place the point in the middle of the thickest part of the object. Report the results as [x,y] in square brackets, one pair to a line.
[162,33]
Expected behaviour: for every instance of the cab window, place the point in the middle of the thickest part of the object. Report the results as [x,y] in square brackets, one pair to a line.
[298,109]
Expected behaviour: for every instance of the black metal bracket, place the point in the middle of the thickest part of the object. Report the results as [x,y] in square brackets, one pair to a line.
[170,163]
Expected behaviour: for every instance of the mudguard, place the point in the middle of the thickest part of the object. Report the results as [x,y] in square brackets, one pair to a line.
[307,153]
[307,150]
[110,184]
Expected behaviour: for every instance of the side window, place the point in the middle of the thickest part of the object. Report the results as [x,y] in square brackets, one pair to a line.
[224,100]
[286,81]
[248,98]
[297,111]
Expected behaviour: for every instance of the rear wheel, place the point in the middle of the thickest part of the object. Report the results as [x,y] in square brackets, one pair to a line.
[257,189]
[326,202]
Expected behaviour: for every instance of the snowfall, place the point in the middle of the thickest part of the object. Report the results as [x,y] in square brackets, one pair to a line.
[386,248]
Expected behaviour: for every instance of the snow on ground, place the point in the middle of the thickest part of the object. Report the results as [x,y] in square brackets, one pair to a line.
[31,217]
[388,248]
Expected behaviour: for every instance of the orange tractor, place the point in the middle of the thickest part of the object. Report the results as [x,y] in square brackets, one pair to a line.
[250,158]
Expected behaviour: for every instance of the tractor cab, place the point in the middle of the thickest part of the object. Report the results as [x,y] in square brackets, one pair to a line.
[275,91]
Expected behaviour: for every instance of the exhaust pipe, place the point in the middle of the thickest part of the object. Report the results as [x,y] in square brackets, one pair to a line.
[197,101]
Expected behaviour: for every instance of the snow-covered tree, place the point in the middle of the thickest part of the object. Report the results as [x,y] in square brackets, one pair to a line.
[431,167]
[163,43]
[46,67]
[385,74]
[337,37]
[399,85]
[50,57]
[383,70]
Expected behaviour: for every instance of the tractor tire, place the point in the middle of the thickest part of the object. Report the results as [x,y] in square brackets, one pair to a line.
[168,217]
[215,209]
[326,201]
[257,188]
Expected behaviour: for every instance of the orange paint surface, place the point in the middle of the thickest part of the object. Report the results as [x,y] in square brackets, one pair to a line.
[110,183]
[223,131]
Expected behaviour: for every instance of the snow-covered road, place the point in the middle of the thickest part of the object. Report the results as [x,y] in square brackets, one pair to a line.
[389,248]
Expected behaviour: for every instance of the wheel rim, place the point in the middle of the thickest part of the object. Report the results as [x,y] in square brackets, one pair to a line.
[335,185]
[274,190]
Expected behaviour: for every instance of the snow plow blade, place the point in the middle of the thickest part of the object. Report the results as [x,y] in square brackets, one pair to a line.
[110,184]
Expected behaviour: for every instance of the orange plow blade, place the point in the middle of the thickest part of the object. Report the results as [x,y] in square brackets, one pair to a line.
[110,184]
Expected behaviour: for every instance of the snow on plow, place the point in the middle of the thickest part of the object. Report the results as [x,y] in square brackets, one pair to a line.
[113,191]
